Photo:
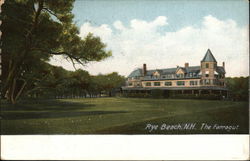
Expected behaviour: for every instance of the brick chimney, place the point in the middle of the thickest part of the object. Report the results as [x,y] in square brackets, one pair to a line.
[186,65]
[144,69]
[223,64]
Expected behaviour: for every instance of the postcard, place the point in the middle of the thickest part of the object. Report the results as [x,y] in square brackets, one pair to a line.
[129,73]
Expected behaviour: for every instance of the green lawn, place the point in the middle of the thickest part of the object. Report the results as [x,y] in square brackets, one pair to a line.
[122,116]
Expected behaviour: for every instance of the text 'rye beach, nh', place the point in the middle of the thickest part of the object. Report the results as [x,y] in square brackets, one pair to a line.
[189,126]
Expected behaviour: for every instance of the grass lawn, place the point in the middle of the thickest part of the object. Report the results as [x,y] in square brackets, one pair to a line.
[124,116]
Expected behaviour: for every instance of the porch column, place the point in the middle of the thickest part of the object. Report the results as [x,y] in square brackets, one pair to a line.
[192,91]
[199,92]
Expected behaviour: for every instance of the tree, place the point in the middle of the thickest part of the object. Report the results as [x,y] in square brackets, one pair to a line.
[239,88]
[107,83]
[33,32]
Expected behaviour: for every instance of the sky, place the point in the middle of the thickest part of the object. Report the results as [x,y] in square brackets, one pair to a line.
[165,33]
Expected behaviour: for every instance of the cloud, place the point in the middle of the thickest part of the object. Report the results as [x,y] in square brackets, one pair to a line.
[151,43]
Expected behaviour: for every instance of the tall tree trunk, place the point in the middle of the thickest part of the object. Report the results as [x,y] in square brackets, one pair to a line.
[14,93]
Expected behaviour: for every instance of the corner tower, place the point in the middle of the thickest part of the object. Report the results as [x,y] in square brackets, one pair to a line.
[208,68]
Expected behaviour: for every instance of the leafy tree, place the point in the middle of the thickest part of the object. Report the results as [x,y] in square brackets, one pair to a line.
[107,83]
[33,32]
[239,88]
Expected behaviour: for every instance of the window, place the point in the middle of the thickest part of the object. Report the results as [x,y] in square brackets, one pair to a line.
[207,81]
[206,75]
[181,75]
[157,83]
[215,65]
[148,84]
[130,84]
[180,83]
[207,65]
[193,83]
[168,83]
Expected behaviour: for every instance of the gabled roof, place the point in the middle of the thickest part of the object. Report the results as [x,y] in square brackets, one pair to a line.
[138,72]
[193,69]
[209,57]
[220,70]
[181,68]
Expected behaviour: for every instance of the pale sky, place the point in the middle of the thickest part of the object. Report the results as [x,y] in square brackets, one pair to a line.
[164,34]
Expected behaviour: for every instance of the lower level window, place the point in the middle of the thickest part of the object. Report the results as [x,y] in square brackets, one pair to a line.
[148,84]
[130,84]
[157,83]
[180,83]
[168,83]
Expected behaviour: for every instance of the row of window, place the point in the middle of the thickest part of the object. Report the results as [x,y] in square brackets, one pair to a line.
[175,75]
[182,83]
[178,83]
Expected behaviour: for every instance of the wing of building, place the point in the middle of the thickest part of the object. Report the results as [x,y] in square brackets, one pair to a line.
[208,77]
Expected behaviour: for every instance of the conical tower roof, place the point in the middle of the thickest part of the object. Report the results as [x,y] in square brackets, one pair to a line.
[209,57]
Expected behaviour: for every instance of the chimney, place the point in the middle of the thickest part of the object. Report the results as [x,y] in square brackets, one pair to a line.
[223,64]
[186,65]
[144,69]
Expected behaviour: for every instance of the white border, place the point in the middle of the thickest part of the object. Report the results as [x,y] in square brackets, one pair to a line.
[125,147]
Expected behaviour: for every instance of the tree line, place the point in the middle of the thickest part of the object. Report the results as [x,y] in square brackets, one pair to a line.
[56,82]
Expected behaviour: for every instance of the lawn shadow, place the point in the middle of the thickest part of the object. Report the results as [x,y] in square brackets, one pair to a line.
[42,109]
[44,105]
[54,114]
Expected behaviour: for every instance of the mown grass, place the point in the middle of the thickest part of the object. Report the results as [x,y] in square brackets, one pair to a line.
[120,116]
